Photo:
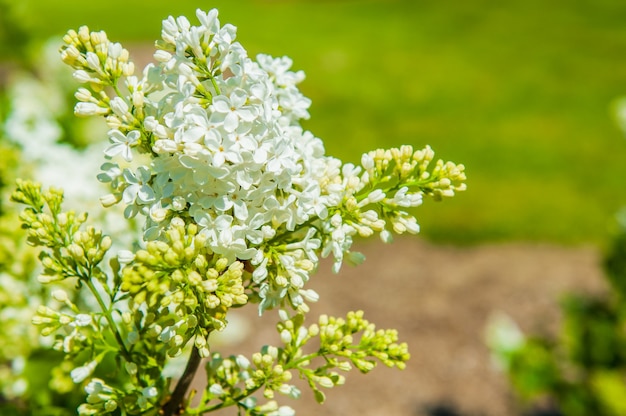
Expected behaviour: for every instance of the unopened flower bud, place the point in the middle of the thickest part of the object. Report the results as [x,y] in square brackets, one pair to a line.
[60,295]
[109,200]
[106,243]
[47,330]
[162,56]
[110,405]
[119,106]
[324,381]
[125,256]
[242,362]
[89,109]
[285,336]
[82,76]
[83,94]
[42,278]
[76,251]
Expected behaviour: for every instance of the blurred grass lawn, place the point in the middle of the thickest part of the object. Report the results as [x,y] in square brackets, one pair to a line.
[518,91]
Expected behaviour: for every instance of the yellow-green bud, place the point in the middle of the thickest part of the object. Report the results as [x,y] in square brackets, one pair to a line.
[221,264]
[194,278]
[60,295]
[323,381]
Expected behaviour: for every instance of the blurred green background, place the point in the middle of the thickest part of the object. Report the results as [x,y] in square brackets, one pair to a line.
[519,91]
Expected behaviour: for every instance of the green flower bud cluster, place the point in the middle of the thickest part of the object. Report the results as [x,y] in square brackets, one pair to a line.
[270,374]
[343,342]
[101,399]
[233,380]
[397,167]
[49,320]
[389,181]
[336,336]
[102,61]
[110,396]
[71,252]
[20,294]
[179,279]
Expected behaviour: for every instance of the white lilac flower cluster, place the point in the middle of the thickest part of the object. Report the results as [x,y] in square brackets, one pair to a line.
[213,137]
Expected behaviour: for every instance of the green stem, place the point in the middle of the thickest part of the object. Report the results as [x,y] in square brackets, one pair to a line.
[282,236]
[217,88]
[118,92]
[230,402]
[421,183]
[107,314]
[293,365]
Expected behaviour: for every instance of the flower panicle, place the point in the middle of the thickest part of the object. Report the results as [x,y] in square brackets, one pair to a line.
[225,150]
[343,343]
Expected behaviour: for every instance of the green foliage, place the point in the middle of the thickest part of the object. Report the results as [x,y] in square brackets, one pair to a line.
[584,370]
[615,264]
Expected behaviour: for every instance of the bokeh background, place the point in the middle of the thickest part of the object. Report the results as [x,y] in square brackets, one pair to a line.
[523,92]
[520,91]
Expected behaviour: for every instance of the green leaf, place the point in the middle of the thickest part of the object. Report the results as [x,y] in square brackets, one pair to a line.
[609,388]
[319,396]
